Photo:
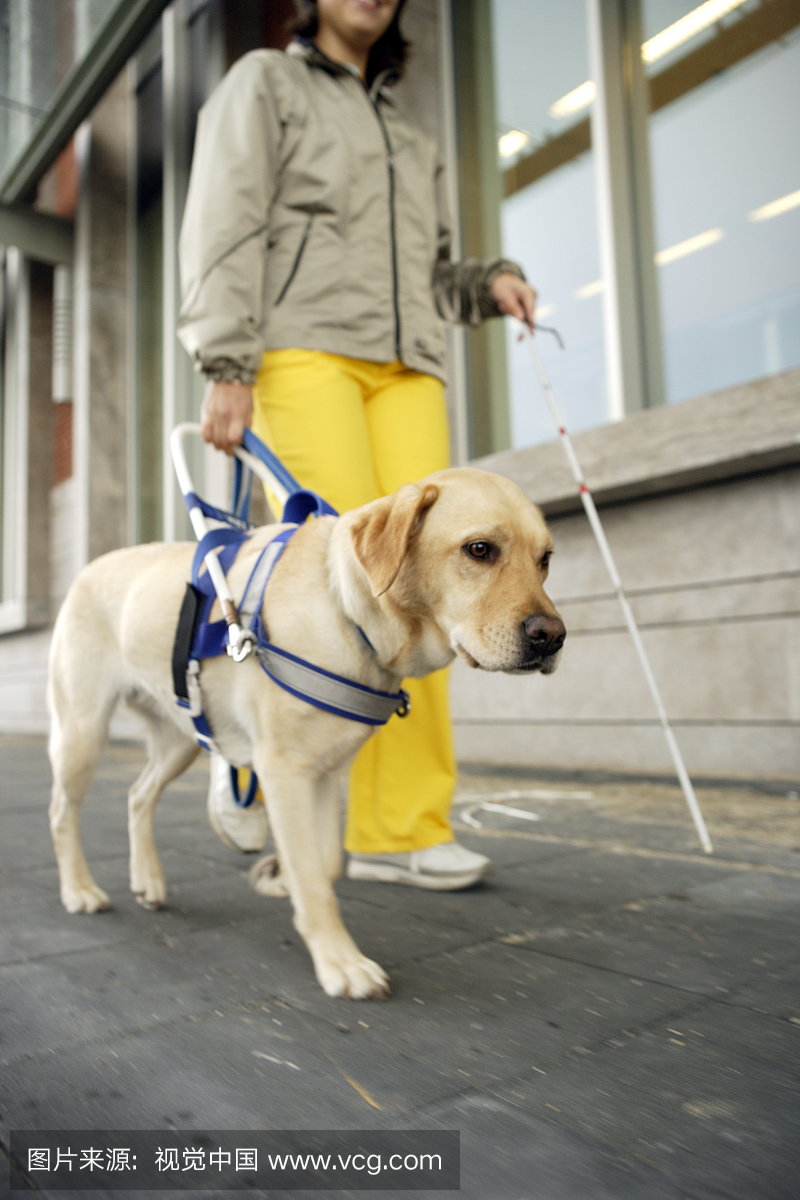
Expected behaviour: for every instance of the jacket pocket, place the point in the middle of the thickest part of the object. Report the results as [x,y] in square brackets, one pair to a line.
[432,353]
[296,264]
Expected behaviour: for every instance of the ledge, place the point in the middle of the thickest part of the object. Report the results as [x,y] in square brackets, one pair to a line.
[23,616]
[39,235]
[722,435]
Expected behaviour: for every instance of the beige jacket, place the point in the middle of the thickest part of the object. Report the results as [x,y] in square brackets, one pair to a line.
[315,219]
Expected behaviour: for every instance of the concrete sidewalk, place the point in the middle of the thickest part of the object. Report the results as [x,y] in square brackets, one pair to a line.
[613,1016]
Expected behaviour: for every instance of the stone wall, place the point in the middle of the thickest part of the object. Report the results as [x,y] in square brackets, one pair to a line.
[87,514]
[704,525]
[103,299]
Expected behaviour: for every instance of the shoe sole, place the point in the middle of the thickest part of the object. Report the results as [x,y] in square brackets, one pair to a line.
[385,873]
[226,839]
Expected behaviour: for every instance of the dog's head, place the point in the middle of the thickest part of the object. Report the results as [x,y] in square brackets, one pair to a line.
[467,551]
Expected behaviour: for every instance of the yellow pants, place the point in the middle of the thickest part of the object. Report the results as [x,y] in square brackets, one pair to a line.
[354,431]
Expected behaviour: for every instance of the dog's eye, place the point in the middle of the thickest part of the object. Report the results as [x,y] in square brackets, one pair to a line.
[545,560]
[482,550]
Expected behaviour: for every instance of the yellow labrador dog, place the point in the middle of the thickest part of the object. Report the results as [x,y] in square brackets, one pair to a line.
[454,564]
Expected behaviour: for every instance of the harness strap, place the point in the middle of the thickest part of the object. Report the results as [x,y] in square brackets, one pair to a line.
[241,488]
[213,539]
[188,622]
[323,689]
[192,500]
[332,693]
[195,632]
[210,638]
[302,505]
[253,596]
[253,445]
[197,638]
[316,686]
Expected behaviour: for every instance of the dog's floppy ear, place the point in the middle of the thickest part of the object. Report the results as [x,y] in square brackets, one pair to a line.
[382,535]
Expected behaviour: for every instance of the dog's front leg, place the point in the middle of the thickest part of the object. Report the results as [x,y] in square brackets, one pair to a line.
[267,877]
[329,823]
[341,968]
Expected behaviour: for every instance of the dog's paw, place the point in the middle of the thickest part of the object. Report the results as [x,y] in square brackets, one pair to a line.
[359,979]
[267,879]
[149,889]
[150,899]
[87,897]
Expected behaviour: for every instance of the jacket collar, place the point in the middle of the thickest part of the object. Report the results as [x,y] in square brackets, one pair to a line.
[308,50]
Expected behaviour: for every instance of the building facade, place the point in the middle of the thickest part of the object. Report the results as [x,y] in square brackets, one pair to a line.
[638,157]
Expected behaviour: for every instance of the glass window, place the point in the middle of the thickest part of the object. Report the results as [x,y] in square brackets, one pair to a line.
[549,222]
[725,160]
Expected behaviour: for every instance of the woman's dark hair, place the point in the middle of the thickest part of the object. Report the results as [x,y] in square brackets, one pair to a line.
[389,52]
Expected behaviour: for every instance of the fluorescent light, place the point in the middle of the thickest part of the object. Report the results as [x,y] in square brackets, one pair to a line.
[574,101]
[512,142]
[687,27]
[681,249]
[775,208]
[654,48]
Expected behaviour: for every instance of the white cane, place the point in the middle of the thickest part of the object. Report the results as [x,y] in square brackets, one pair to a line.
[633,629]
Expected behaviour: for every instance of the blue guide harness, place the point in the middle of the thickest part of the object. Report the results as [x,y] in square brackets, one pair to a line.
[197,638]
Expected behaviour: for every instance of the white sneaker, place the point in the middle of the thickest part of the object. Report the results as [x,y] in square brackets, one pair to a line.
[237,828]
[448,867]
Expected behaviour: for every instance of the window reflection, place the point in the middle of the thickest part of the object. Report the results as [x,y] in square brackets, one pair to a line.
[724,80]
[548,216]
[727,210]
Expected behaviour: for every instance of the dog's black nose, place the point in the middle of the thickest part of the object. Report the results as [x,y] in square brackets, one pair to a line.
[545,634]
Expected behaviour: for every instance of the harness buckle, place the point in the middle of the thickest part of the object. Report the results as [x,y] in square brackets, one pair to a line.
[241,643]
[404,707]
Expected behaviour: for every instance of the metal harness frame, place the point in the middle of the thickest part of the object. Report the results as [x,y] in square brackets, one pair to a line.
[241,632]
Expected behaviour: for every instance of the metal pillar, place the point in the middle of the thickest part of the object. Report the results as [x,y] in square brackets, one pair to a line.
[481,190]
[14,511]
[624,205]
[457,385]
[177,370]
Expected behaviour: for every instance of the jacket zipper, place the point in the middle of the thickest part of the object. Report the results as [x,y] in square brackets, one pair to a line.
[296,262]
[392,225]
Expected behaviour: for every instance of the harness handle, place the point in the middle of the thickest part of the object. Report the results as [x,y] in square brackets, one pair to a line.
[296,502]
[253,453]
[240,642]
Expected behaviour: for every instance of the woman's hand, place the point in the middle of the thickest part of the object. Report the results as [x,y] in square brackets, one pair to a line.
[514,297]
[227,408]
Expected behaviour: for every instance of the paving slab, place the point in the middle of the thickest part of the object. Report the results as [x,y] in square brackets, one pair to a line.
[686,1107]
[613,1015]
